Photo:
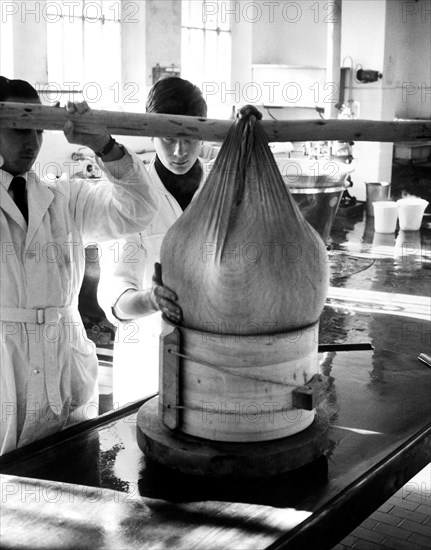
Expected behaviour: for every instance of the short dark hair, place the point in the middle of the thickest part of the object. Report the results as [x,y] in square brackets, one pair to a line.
[17,88]
[176,96]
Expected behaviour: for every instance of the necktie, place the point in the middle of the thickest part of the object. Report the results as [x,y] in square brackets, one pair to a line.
[18,187]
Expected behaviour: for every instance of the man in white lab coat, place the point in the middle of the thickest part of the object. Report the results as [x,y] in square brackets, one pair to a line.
[48,366]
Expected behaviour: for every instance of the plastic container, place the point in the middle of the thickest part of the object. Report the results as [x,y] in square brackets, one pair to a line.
[385,216]
[410,212]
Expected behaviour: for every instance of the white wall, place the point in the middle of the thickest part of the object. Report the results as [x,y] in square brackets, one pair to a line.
[393,37]
[280,33]
[163,34]
[408,58]
[419,104]
[242,40]
[293,33]
[363,40]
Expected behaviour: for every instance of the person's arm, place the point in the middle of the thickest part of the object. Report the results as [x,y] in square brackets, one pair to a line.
[134,303]
[122,207]
[97,142]
[124,291]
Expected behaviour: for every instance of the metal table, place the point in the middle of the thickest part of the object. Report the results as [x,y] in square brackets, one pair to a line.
[90,486]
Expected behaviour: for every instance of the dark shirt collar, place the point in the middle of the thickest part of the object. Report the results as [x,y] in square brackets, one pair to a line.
[181,187]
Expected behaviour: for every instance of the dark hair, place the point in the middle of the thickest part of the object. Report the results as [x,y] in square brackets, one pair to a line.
[17,88]
[176,96]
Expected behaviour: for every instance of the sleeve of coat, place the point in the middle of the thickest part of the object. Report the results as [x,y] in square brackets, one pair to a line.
[123,204]
[122,267]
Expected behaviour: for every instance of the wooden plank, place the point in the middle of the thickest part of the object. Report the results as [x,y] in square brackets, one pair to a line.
[29,115]
[170,377]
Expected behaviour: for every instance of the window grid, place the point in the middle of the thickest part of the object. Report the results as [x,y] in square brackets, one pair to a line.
[79,41]
[108,10]
[206,50]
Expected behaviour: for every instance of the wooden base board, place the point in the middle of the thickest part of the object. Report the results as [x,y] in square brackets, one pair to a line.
[233,388]
[197,456]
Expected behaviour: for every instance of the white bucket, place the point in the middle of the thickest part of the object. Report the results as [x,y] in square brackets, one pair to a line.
[410,213]
[385,216]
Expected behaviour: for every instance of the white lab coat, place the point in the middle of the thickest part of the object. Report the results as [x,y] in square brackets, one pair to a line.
[49,370]
[136,347]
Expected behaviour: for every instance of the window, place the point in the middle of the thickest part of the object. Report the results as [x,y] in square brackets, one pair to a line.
[84,51]
[6,45]
[206,50]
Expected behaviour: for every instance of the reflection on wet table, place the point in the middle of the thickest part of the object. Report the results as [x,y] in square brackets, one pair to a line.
[377,404]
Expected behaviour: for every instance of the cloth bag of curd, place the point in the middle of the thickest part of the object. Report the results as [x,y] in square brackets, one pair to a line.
[241,258]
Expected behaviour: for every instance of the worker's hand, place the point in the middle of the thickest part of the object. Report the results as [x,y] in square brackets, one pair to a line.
[93,141]
[163,298]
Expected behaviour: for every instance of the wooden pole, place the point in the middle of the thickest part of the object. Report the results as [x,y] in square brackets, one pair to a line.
[30,115]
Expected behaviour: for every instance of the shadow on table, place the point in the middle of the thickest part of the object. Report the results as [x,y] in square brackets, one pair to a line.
[157,481]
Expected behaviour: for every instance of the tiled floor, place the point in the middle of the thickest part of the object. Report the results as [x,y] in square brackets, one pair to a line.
[401,523]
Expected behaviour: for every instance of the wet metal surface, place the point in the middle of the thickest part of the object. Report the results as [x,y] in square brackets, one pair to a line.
[380,287]
[364,385]
[377,403]
[374,401]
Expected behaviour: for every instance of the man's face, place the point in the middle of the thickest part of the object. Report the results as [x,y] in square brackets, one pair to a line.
[19,148]
[177,155]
